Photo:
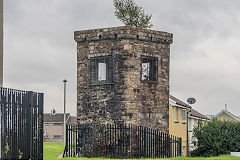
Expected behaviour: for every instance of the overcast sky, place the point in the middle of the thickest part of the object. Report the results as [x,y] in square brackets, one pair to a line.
[39,49]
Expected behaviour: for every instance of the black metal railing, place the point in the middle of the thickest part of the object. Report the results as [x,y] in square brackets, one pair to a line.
[21,124]
[119,141]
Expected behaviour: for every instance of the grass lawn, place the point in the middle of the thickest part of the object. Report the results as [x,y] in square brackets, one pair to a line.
[51,150]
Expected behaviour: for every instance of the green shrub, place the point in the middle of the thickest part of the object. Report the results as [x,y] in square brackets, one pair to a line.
[216,138]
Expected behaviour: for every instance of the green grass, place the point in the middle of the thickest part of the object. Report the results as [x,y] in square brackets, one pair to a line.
[180,158]
[51,150]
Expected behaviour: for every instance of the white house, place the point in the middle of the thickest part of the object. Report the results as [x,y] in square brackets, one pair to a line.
[194,119]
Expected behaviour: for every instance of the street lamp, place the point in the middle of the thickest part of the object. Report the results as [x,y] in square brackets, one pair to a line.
[64,113]
[189,101]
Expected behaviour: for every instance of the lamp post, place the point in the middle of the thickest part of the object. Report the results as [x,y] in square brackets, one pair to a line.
[64,113]
[189,101]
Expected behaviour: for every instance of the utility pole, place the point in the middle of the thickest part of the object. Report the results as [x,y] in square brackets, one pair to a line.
[1,43]
[64,113]
[1,62]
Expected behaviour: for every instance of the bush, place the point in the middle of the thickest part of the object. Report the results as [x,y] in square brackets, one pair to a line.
[216,138]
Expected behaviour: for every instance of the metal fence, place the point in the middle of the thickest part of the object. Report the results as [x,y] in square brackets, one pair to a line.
[119,141]
[21,124]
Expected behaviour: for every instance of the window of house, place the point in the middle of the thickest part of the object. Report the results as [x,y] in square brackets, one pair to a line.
[189,124]
[57,124]
[175,114]
[58,137]
[183,115]
[149,69]
[46,124]
[101,70]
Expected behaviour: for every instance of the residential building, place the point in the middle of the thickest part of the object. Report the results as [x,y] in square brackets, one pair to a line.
[226,116]
[178,113]
[209,116]
[53,126]
[194,119]
[123,76]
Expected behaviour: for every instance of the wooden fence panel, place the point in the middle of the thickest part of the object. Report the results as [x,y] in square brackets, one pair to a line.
[21,124]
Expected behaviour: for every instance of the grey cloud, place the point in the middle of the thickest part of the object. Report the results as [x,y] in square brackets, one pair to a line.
[39,50]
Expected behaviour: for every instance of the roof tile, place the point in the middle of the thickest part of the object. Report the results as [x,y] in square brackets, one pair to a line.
[57,117]
[195,113]
[179,102]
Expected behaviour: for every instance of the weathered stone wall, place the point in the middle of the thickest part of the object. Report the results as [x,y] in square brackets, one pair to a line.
[128,100]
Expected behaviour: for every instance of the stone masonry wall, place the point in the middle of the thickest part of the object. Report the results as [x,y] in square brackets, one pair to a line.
[128,100]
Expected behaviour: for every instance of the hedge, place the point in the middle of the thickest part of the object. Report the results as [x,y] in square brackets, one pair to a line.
[216,138]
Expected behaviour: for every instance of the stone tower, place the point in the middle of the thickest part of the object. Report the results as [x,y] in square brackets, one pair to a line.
[123,76]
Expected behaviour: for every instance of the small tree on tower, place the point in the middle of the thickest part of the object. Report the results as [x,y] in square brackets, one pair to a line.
[131,14]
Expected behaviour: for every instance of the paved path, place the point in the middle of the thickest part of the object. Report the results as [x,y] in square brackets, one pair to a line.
[60,155]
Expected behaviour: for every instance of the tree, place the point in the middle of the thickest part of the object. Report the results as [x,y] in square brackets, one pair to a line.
[216,138]
[131,14]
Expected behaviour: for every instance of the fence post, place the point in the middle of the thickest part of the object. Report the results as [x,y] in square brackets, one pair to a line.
[1,106]
[145,140]
[179,146]
[29,121]
[66,142]
[1,127]
[40,127]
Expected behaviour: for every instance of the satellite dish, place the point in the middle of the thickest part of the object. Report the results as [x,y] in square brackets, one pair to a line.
[191,100]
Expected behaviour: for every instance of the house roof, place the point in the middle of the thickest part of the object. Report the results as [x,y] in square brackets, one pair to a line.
[209,116]
[228,113]
[72,120]
[195,113]
[179,102]
[57,117]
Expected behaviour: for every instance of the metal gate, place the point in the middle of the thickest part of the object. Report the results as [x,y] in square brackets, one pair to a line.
[21,124]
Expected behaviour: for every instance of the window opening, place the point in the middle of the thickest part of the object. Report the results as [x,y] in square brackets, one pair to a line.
[149,69]
[57,136]
[189,124]
[175,114]
[183,116]
[101,70]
